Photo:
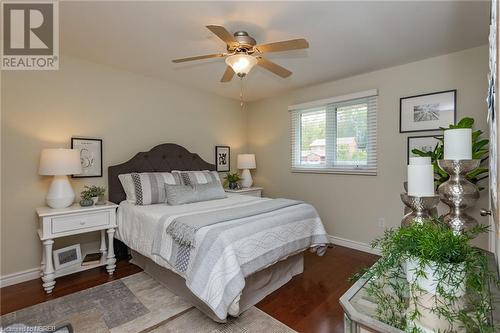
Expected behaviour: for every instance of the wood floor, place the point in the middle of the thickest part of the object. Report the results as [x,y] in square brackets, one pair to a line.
[308,303]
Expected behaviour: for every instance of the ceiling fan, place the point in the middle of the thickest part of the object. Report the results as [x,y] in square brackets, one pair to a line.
[243,53]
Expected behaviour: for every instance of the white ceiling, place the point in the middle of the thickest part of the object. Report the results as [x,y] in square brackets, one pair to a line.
[346,38]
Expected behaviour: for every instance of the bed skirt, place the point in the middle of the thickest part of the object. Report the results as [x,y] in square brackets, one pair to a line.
[257,285]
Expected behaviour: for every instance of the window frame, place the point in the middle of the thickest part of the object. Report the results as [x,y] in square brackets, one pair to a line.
[330,140]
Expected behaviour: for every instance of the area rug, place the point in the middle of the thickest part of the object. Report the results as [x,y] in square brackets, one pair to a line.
[136,303]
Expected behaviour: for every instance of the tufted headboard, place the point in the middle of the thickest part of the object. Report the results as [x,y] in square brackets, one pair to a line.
[162,158]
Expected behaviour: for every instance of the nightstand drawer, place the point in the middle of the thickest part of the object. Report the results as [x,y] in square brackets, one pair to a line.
[79,221]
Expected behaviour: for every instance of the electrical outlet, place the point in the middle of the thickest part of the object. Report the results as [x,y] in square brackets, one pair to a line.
[381,222]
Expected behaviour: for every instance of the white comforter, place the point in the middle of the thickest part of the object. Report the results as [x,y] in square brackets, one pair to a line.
[137,225]
[214,281]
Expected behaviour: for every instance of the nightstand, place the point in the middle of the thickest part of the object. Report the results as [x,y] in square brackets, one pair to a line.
[74,220]
[253,191]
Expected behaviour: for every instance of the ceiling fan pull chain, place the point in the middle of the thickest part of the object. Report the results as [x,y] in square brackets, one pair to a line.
[242,102]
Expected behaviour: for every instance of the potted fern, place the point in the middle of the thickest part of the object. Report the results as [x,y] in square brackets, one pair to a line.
[479,151]
[426,275]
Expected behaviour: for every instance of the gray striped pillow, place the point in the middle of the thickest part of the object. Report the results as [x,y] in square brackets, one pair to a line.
[184,194]
[197,177]
[147,188]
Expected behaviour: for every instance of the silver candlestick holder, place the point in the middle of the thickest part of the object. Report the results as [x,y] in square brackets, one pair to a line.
[458,193]
[421,208]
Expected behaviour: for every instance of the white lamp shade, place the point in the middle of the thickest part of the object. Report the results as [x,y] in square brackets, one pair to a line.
[246,161]
[241,63]
[60,162]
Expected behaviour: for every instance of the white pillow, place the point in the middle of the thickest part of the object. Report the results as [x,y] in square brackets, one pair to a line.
[147,188]
[128,186]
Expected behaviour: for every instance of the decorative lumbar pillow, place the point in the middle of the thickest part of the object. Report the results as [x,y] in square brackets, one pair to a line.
[147,188]
[197,177]
[184,194]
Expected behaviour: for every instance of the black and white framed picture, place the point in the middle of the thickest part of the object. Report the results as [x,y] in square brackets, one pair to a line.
[427,112]
[90,156]
[423,143]
[67,256]
[223,158]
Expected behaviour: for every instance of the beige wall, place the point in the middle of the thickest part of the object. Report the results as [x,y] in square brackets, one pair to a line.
[351,204]
[131,113]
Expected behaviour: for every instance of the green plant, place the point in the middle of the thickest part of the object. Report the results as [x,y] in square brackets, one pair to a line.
[455,264]
[479,151]
[90,192]
[231,178]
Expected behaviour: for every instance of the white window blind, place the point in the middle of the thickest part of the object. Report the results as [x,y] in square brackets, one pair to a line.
[336,135]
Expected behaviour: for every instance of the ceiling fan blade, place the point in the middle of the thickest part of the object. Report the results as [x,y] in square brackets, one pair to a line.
[228,75]
[218,55]
[292,44]
[223,34]
[273,67]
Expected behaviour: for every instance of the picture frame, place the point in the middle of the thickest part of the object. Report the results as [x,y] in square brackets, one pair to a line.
[427,112]
[67,256]
[424,142]
[223,158]
[90,156]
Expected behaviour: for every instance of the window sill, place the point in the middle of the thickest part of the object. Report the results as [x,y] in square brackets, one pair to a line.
[335,171]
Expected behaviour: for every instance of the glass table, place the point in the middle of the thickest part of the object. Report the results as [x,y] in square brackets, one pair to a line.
[360,309]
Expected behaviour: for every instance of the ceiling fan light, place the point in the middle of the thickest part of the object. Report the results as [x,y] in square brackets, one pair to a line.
[241,63]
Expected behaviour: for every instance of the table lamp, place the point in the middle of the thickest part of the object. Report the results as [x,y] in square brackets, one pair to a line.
[246,162]
[60,163]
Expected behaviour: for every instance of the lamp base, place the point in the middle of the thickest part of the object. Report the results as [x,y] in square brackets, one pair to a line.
[246,178]
[60,193]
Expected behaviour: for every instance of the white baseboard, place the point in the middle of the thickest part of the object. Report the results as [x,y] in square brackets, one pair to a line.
[353,244]
[18,277]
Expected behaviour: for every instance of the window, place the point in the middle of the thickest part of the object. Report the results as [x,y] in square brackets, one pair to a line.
[336,134]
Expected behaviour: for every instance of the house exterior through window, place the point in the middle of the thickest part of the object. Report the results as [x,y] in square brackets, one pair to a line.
[335,135]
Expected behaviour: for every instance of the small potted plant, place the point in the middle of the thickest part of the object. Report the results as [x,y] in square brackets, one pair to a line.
[231,180]
[92,193]
[86,199]
[426,275]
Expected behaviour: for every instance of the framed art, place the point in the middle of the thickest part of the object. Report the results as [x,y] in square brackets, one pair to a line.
[90,156]
[424,143]
[67,256]
[427,112]
[223,158]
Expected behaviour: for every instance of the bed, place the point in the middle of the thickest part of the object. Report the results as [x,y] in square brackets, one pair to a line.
[236,262]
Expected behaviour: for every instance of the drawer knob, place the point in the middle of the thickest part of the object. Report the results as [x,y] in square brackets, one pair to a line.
[82,222]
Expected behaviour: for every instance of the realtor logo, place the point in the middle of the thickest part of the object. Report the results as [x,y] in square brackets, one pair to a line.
[30,35]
